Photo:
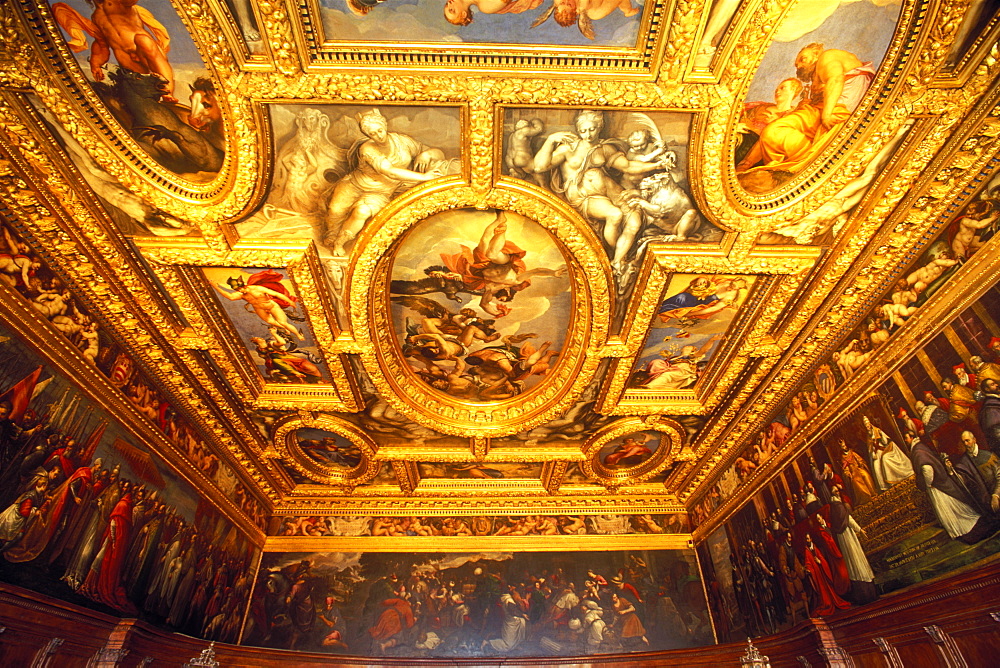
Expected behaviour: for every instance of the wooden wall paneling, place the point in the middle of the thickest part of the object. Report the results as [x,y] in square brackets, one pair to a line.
[41,631]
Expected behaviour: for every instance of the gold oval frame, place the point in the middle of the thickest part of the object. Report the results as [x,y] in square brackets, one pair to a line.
[590,277]
[110,144]
[292,454]
[822,176]
[671,442]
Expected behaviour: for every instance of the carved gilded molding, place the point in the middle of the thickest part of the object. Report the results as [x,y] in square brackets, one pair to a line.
[477,543]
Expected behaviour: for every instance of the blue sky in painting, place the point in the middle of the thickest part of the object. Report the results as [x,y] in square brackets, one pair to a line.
[182,48]
[859,27]
[423,21]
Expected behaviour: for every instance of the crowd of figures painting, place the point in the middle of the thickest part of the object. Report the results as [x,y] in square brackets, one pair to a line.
[23,270]
[967,232]
[86,512]
[539,604]
[905,487]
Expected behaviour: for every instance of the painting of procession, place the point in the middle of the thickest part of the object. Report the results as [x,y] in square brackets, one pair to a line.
[610,23]
[476,315]
[687,329]
[625,172]
[479,604]
[88,514]
[814,76]
[264,308]
[144,66]
[970,228]
[904,488]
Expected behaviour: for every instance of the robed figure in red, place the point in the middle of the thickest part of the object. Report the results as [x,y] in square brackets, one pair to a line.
[821,574]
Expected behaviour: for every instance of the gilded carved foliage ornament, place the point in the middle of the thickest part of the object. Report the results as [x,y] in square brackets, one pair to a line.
[783,344]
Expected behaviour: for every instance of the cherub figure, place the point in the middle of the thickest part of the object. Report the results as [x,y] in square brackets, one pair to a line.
[584,12]
[139,42]
[921,278]
[520,157]
[901,307]
[459,12]
[17,261]
[644,147]
[977,216]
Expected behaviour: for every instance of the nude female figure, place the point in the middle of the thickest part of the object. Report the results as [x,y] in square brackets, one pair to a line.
[582,159]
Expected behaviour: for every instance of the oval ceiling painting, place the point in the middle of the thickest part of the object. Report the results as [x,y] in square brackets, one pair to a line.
[328,449]
[481,303]
[629,451]
[142,63]
[814,76]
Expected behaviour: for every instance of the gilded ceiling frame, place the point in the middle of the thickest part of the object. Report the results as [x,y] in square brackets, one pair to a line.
[913,196]
[134,314]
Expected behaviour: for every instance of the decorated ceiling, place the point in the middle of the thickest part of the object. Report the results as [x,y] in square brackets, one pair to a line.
[403,257]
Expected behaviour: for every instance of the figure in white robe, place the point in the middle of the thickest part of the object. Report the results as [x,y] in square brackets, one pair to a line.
[889,463]
[514,629]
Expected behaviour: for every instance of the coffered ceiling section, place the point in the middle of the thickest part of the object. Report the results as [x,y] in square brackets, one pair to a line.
[500,247]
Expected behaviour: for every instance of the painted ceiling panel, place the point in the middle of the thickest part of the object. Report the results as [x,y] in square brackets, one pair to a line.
[449,253]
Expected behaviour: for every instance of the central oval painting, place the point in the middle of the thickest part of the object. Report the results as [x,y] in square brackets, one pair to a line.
[481,302]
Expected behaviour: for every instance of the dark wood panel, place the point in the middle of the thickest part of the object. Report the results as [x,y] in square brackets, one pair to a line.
[920,655]
[873,659]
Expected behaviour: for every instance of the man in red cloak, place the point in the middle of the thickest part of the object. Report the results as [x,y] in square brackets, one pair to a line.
[821,574]
[105,585]
[71,495]
[395,618]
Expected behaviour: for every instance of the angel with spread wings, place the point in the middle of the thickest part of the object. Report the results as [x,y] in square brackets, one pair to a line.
[139,42]
[584,12]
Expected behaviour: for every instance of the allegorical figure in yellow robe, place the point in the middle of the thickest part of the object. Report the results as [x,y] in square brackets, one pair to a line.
[836,82]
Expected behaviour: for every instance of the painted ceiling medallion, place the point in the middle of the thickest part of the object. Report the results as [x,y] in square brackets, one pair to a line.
[476,315]
[479,317]
[326,449]
[632,450]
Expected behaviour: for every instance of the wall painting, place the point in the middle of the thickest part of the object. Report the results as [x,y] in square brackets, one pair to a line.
[479,604]
[91,516]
